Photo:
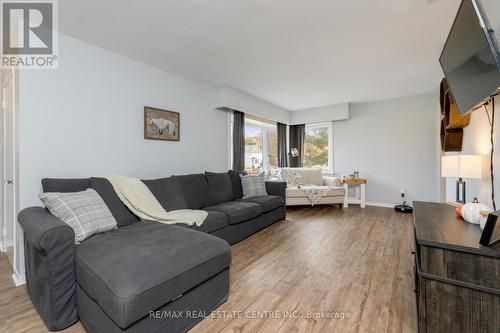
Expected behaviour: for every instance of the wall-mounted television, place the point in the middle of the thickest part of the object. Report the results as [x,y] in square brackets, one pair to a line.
[471,58]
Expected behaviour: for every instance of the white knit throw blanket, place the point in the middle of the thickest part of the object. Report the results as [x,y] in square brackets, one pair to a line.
[139,199]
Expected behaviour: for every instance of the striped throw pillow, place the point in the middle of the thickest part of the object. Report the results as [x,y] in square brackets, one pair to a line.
[84,211]
[253,185]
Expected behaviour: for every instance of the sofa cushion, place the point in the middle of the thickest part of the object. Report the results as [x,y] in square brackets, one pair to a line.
[196,190]
[266,202]
[121,213]
[138,268]
[213,222]
[237,211]
[295,192]
[168,192]
[220,185]
[236,183]
[311,175]
[64,185]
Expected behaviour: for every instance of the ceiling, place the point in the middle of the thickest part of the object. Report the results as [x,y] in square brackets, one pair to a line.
[293,53]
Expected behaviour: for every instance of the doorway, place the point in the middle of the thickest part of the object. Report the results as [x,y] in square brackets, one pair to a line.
[9,197]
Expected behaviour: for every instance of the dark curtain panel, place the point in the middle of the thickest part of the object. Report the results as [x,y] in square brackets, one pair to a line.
[239,141]
[297,134]
[282,149]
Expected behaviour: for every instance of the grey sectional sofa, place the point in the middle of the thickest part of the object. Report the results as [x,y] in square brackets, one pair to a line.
[143,276]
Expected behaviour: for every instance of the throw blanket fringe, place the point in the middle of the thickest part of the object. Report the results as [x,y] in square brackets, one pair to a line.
[139,199]
[315,192]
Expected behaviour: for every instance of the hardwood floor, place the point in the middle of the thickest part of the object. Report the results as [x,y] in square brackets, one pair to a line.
[320,261]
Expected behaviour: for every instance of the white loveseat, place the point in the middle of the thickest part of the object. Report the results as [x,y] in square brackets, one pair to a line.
[296,196]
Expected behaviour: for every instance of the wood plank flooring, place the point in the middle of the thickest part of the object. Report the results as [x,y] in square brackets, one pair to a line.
[321,261]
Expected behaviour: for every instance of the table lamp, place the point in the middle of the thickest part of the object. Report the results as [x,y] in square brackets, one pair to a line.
[461,166]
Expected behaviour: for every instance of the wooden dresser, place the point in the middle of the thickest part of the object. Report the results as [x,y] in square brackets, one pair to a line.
[457,281]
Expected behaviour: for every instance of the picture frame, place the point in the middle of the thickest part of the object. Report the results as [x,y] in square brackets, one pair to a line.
[161,124]
[491,232]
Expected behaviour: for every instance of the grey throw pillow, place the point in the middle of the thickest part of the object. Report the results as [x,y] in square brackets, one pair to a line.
[253,185]
[84,211]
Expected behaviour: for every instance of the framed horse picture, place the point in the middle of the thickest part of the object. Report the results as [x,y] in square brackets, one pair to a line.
[161,124]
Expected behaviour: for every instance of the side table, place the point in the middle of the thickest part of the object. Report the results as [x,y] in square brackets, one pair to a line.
[360,198]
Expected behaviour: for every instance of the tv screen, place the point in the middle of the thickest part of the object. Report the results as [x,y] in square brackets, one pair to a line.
[471,58]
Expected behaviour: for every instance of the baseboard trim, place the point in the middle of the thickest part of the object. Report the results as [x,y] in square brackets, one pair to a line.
[380,204]
[19,280]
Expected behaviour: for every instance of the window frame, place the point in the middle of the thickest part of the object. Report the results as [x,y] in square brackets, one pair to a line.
[265,124]
[266,127]
[329,125]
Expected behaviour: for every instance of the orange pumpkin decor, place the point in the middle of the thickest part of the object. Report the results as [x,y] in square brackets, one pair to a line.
[458,207]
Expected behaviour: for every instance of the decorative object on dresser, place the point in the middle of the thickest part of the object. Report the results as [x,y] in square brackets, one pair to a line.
[474,212]
[161,124]
[360,184]
[461,166]
[491,232]
[457,281]
[471,212]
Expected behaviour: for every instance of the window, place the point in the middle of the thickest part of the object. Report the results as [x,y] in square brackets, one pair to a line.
[261,147]
[318,145]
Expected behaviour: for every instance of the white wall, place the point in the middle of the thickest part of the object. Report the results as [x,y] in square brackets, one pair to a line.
[394,144]
[86,118]
[225,97]
[320,115]
[492,9]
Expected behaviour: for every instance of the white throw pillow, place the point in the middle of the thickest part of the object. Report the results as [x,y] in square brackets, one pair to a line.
[253,185]
[292,177]
[84,211]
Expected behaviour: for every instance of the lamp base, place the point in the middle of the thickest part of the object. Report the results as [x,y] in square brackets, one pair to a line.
[461,198]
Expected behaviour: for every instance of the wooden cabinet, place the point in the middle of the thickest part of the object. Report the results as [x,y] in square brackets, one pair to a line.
[457,281]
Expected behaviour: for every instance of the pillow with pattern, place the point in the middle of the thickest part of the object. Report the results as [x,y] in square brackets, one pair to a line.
[292,177]
[84,211]
[253,185]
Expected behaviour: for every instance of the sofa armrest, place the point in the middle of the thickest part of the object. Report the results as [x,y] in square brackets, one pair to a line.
[42,229]
[332,181]
[49,250]
[276,188]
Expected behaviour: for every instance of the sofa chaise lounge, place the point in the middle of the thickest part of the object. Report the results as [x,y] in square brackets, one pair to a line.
[137,276]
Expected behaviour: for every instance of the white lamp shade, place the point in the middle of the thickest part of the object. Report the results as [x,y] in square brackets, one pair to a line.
[450,166]
[462,166]
[470,166]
